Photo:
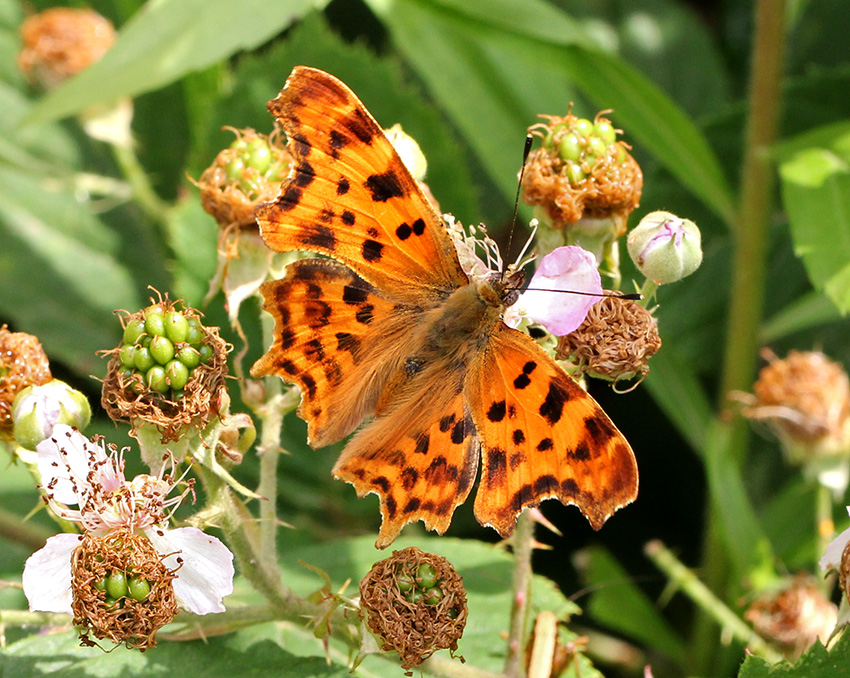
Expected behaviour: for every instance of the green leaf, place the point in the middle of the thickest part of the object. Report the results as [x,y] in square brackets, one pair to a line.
[676,389]
[60,270]
[164,41]
[513,69]
[808,311]
[816,663]
[746,544]
[816,195]
[486,570]
[60,656]
[618,603]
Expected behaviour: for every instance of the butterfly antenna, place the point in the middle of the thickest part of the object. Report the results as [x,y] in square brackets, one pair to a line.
[525,152]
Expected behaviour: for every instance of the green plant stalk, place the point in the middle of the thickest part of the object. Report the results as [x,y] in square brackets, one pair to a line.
[143,192]
[701,595]
[748,281]
[756,204]
[271,416]
[13,528]
[522,543]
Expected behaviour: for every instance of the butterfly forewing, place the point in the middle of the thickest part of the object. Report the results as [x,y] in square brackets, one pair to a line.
[350,197]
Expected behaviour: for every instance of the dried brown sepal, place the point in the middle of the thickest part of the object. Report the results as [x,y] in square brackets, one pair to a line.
[61,42]
[794,616]
[611,186]
[414,630]
[22,363]
[615,341]
[131,400]
[805,395]
[231,197]
[131,622]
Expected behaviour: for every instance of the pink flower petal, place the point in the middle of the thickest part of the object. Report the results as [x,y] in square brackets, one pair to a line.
[548,301]
[206,573]
[47,575]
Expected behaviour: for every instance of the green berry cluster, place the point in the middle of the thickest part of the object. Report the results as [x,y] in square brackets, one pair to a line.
[581,143]
[250,163]
[161,349]
[118,585]
[424,586]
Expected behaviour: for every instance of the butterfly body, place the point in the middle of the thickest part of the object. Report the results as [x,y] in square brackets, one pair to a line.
[395,341]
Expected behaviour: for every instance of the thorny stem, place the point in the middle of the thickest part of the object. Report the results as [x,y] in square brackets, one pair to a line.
[522,543]
[702,596]
[240,531]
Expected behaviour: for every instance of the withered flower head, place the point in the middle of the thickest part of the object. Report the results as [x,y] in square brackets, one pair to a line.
[615,341]
[169,370]
[61,42]
[122,589]
[245,174]
[22,363]
[805,398]
[582,171]
[415,604]
[794,616]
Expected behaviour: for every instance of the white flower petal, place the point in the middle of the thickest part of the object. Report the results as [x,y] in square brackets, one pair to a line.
[206,573]
[47,575]
[64,462]
[831,559]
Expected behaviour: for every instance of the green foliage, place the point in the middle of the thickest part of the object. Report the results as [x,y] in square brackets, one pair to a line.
[86,227]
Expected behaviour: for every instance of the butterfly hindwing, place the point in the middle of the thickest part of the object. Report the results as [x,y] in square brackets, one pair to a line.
[419,471]
[542,436]
[350,197]
[328,324]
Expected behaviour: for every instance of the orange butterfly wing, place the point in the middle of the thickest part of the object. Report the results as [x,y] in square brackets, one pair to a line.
[383,339]
[350,197]
[542,436]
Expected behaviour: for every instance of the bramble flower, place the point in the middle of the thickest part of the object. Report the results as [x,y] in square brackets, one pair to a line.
[546,300]
[126,537]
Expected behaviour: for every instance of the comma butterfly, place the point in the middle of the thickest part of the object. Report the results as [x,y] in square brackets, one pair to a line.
[393,333]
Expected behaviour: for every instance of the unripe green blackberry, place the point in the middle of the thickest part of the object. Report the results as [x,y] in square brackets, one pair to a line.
[138,587]
[168,370]
[243,175]
[116,584]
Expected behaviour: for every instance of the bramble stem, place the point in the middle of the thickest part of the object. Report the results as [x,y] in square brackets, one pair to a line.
[521,541]
[701,595]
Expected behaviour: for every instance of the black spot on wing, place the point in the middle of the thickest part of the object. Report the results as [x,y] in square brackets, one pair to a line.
[359,125]
[304,175]
[599,430]
[384,186]
[317,235]
[365,314]
[497,464]
[290,198]
[497,411]
[552,407]
[423,442]
[347,217]
[372,250]
[354,295]
[342,186]
[300,145]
